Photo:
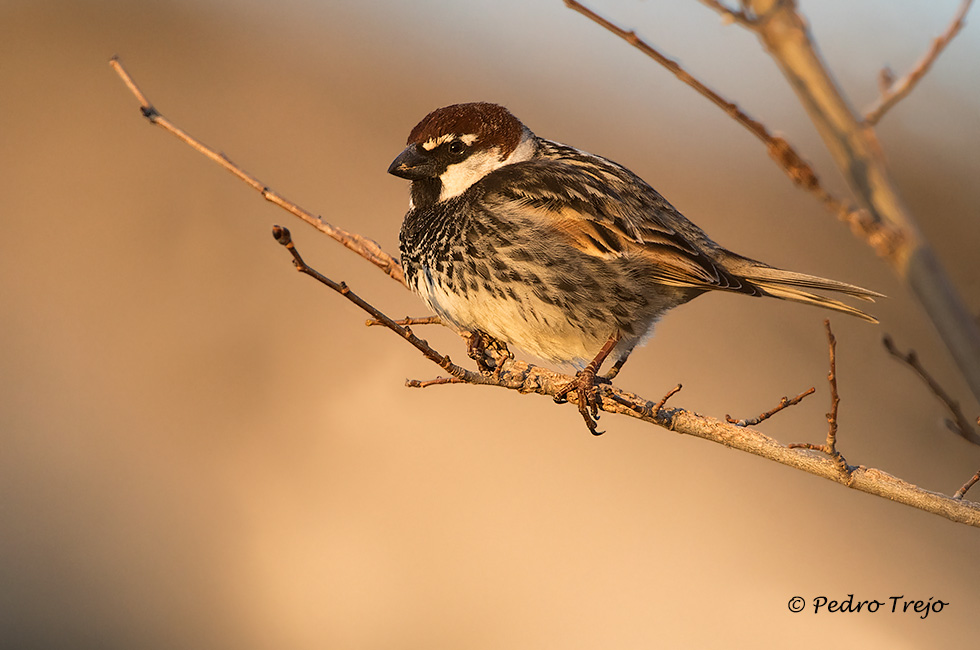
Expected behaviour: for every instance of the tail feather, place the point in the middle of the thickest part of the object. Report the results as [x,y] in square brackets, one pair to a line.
[786,285]
[798,295]
[764,275]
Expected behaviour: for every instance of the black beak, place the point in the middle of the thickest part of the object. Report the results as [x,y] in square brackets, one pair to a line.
[412,165]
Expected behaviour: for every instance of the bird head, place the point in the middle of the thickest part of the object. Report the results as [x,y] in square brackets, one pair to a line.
[454,147]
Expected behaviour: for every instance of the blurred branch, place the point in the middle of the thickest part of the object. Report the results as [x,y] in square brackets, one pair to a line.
[885,223]
[958,422]
[896,90]
[880,237]
[855,148]
[526,378]
[366,248]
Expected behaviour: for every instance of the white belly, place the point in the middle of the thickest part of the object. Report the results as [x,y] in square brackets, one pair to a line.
[534,326]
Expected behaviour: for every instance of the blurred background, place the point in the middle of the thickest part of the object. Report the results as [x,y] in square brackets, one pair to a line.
[200,448]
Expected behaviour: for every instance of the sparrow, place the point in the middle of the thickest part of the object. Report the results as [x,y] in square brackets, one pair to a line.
[567,255]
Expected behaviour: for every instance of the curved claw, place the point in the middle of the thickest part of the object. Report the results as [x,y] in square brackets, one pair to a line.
[587,396]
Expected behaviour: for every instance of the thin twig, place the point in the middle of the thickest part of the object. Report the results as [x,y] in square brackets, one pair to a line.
[966,486]
[753,125]
[830,447]
[283,236]
[882,238]
[366,248]
[408,321]
[784,403]
[958,424]
[834,395]
[663,400]
[900,88]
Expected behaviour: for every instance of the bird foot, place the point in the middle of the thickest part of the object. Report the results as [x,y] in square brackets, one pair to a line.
[587,396]
[488,353]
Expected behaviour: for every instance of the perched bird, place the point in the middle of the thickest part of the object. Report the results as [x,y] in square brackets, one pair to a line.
[565,254]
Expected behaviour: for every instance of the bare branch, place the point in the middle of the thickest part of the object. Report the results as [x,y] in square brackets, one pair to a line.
[784,403]
[526,378]
[366,248]
[896,90]
[958,422]
[663,400]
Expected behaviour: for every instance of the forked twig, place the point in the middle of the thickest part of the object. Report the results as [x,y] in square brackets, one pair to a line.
[958,422]
[784,403]
[830,447]
[366,248]
[898,89]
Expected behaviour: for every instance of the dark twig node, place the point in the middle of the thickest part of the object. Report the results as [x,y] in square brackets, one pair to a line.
[957,422]
[784,403]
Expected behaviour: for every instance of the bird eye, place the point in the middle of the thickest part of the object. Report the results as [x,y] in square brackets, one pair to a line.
[456,147]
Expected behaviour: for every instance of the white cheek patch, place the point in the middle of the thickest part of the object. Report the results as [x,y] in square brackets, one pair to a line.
[457,178]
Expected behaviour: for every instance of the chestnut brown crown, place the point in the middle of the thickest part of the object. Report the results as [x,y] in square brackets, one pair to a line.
[490,124]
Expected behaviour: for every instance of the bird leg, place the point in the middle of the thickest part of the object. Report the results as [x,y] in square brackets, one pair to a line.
[488,352]
[609,376]
[585,388]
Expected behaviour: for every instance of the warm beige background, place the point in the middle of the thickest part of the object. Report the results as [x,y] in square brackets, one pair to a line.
[202,449]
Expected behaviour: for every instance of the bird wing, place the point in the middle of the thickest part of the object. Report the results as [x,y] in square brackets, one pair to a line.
[607,211]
